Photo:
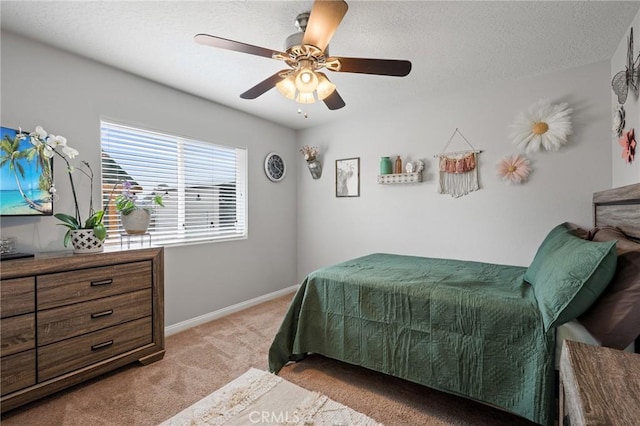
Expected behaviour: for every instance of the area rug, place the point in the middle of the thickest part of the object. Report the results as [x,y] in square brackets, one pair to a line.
[259,397]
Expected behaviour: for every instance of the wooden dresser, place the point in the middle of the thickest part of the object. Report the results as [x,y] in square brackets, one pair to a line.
[67,317]
[598,386]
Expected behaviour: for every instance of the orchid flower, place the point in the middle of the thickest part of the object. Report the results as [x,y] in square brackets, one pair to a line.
[46,144]
[60,140]
[35,141]
[69,152]
[40,133]
[48,151]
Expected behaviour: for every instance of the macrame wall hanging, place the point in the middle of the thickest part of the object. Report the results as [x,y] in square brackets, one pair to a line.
[458,169]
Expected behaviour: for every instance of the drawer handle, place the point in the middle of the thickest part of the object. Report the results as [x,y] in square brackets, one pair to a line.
[102,314]
[102,345]
[101,282]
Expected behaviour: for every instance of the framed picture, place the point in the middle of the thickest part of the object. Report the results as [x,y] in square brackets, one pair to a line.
[25,177]
[348,177]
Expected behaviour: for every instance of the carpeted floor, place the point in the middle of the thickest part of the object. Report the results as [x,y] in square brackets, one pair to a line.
[202,359]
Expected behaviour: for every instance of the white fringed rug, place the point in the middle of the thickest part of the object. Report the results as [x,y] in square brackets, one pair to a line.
[262,398]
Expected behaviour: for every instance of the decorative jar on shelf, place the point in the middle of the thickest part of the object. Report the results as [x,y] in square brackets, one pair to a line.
[386,168]
[398,167]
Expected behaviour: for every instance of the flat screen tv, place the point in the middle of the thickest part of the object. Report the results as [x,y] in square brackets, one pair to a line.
[24,184]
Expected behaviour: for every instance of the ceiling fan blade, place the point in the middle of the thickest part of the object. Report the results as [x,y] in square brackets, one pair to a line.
[237,46]
[263,87]
[323,22]
[334,101]
[392,67]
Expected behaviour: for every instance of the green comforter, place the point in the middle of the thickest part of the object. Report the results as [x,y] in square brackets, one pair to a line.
[467,328]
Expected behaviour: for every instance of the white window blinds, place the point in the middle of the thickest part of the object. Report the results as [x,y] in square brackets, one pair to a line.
[203,184]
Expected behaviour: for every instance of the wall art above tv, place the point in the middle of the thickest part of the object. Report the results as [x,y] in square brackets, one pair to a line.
[25,177]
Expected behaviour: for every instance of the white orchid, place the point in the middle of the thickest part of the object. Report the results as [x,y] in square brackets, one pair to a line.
[40,133]
[55,141]
[47,150]
[40,137]
[60,140]
[69,152]
[46,145]
[51,141]
[34,139]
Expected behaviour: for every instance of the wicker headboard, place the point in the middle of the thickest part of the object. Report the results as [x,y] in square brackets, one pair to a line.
[619,207]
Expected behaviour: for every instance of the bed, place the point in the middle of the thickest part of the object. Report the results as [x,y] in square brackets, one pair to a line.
[479,330]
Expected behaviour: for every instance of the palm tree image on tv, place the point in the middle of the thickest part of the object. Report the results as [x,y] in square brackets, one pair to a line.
[25,177]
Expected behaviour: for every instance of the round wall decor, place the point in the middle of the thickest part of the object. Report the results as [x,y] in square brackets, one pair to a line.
[275,167]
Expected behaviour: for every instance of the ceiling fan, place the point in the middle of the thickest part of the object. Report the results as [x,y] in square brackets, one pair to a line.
[306,53]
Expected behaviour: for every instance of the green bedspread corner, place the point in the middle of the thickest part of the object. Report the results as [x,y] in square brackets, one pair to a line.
[281,350]
[467,328]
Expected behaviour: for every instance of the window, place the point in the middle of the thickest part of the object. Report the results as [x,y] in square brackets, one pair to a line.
[203,184]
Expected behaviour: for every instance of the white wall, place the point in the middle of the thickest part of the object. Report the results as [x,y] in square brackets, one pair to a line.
[68,95]
[500,223]
[623,172]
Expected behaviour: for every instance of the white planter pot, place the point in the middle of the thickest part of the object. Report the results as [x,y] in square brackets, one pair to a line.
[85,241]
[136,222]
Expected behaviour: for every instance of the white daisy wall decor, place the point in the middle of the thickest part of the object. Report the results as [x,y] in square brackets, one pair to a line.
[542,125]
[514,169]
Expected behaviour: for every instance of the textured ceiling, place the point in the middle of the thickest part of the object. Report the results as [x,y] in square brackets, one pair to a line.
[452,45]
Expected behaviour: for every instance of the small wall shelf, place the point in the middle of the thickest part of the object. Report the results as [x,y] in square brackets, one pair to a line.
[400,178]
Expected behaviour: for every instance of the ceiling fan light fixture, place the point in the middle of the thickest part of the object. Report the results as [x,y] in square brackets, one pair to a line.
[305,97]
[287,87]
[306,80]
[325,87]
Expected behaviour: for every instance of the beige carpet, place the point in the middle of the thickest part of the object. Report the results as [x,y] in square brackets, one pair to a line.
[205,358]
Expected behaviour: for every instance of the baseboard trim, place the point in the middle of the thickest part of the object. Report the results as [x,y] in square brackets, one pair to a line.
[184,325]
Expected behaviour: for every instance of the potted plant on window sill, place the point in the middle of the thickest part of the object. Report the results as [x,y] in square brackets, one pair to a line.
[135,212]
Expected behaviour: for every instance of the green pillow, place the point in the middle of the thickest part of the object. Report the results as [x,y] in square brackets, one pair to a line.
[568,274]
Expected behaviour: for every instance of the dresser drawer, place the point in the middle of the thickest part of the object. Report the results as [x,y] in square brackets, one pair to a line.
[17,296]
[18,371]
[71,354]
[17,334]
[81,318]
[87,284]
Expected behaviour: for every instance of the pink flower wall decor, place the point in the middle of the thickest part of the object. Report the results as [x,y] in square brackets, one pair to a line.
[628,144]
[514,169]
